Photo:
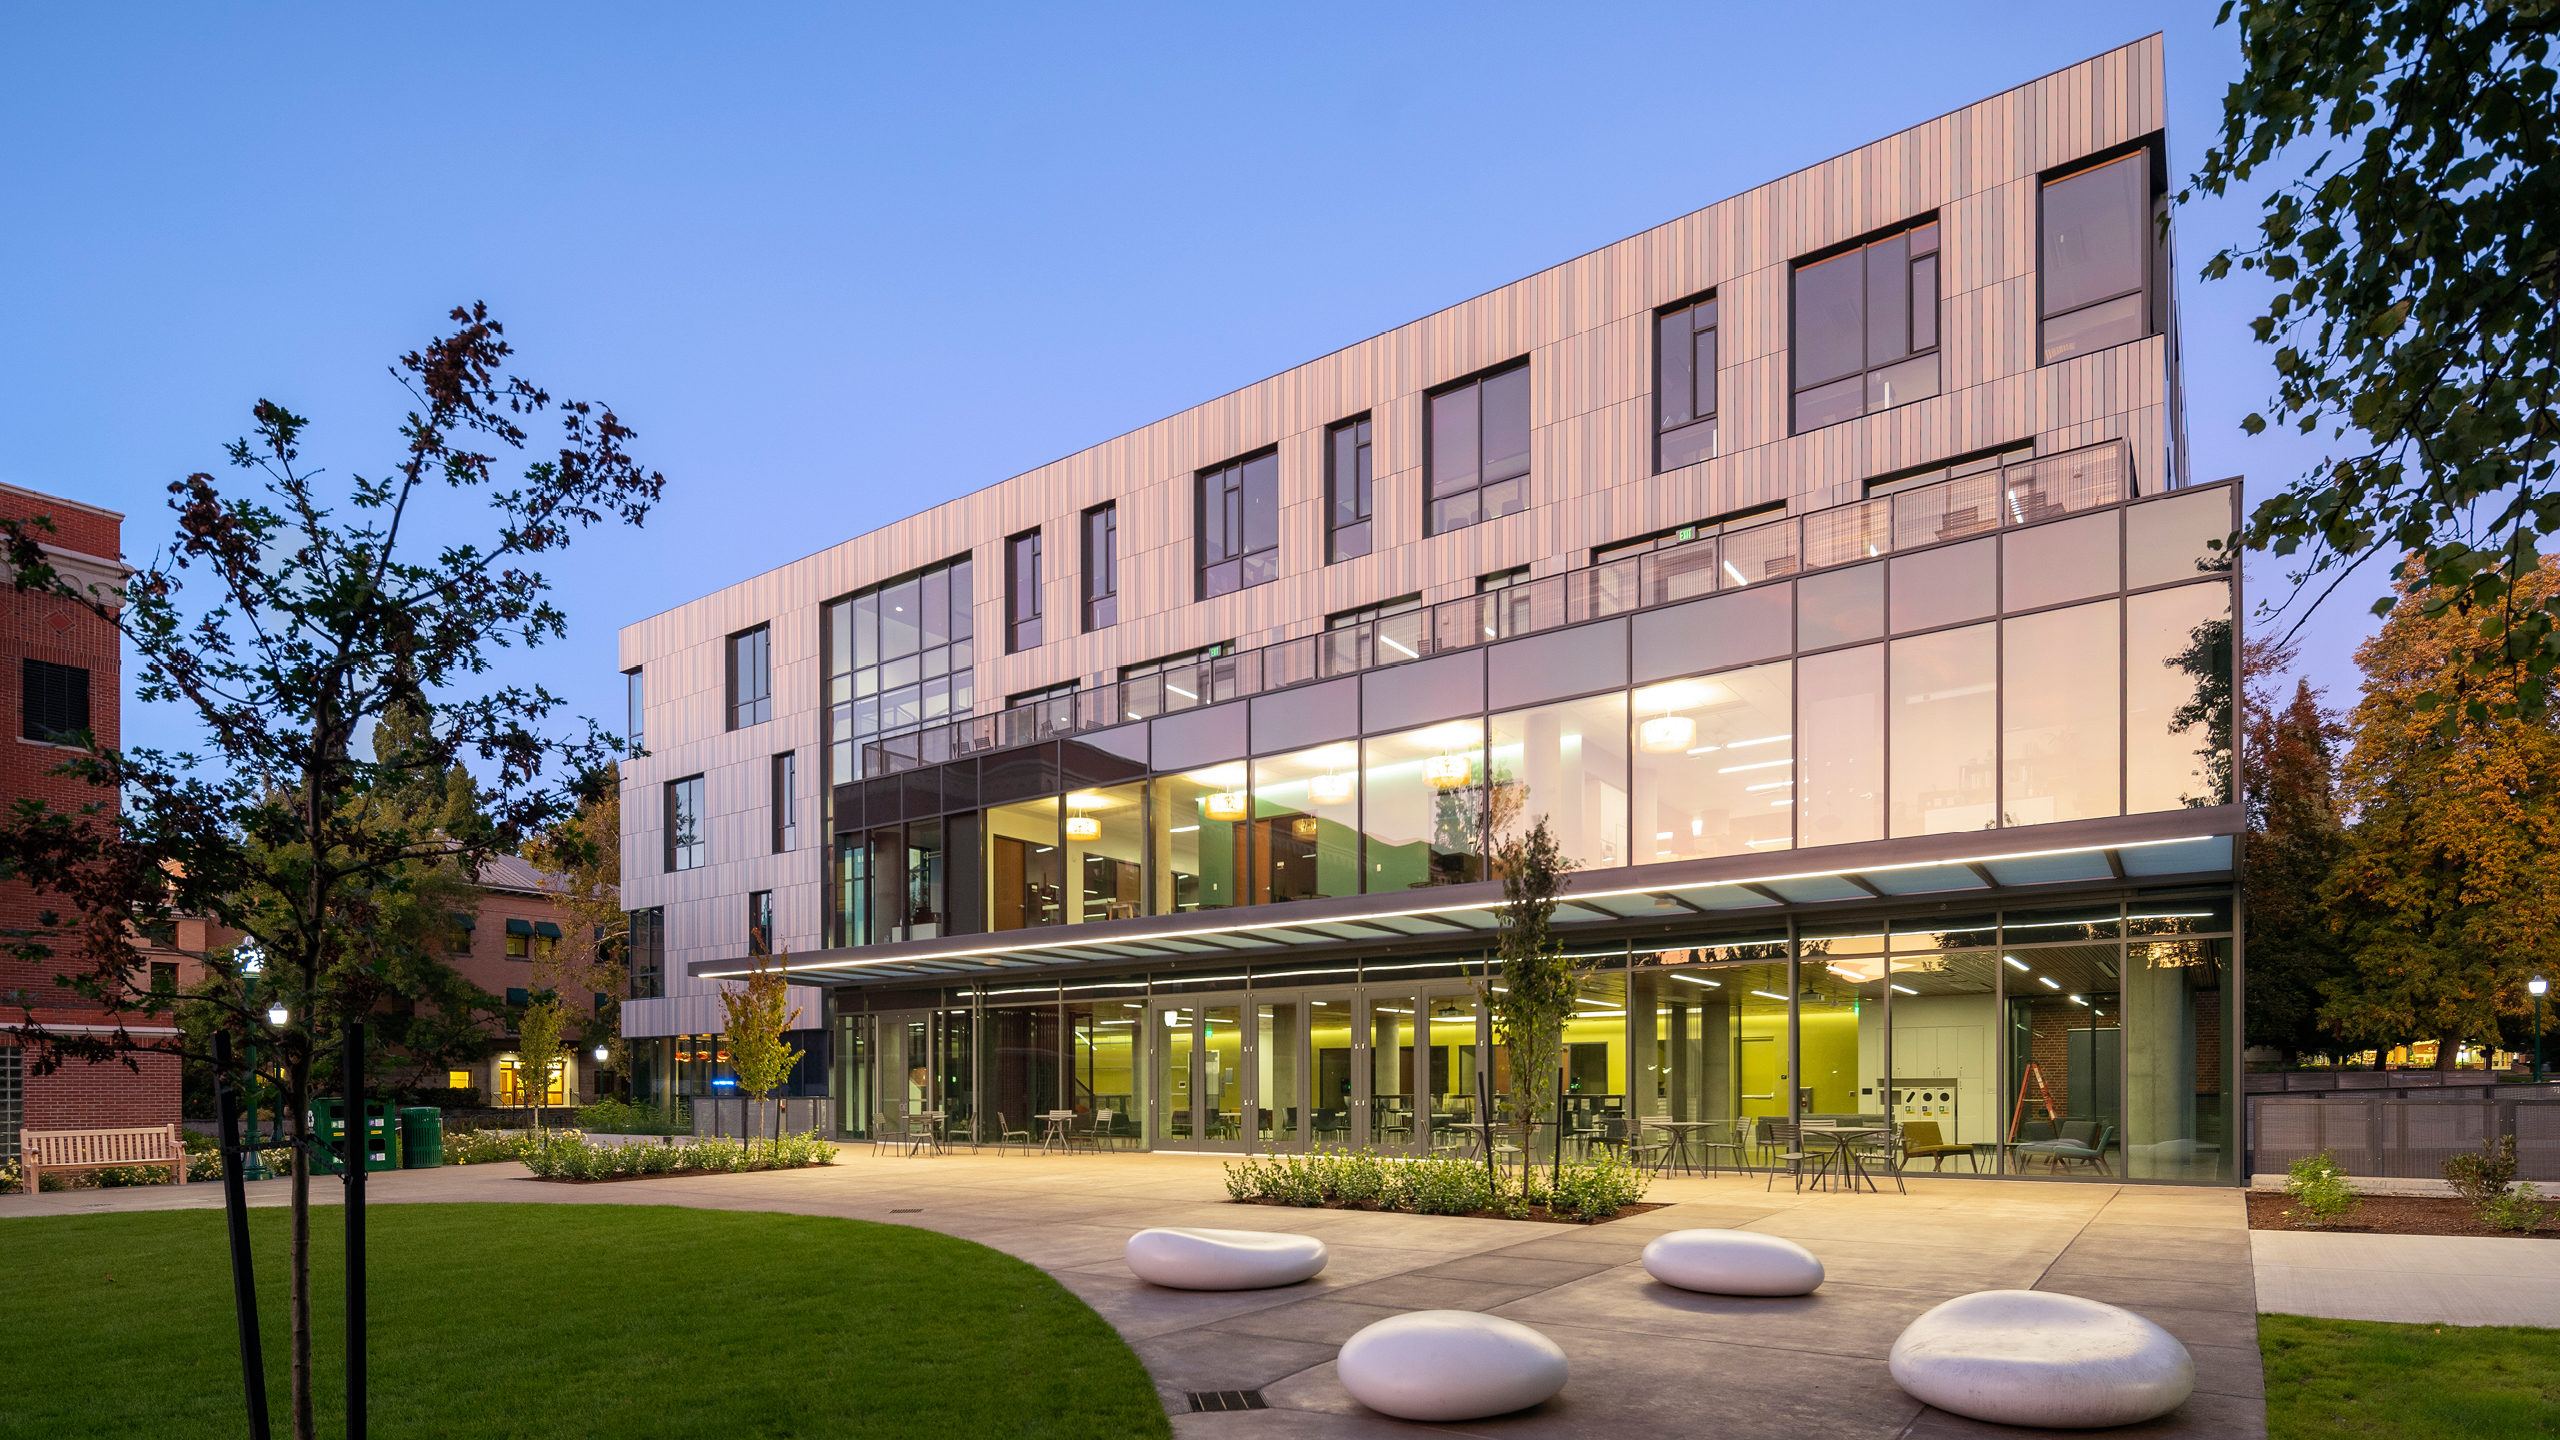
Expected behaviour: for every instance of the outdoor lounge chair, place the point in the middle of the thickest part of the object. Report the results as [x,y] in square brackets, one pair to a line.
[2073,1142]
[1922,1140]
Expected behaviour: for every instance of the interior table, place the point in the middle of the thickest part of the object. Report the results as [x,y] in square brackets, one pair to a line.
[1685,1138]
[1056,1121]
[1842,1159]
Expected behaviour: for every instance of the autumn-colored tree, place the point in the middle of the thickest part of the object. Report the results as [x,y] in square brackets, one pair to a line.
[2443,893]
[2295,839]
[758,1012]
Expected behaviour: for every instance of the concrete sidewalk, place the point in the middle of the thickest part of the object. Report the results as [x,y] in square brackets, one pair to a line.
[2410,1279]
[1647,1360]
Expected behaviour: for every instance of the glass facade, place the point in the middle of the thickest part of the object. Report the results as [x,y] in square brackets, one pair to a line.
[899,655]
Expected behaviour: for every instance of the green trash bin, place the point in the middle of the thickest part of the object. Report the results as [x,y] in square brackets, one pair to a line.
[328,1133]
[421,1137]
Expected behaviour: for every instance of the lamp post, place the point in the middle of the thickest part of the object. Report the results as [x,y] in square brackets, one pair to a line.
[2537,985]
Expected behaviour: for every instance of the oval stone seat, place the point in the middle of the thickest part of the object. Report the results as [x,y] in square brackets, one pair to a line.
[1449,1365]
[1732,1262]
[1182,1258]
[2029,1357]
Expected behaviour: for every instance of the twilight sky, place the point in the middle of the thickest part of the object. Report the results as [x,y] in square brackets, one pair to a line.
[837,267]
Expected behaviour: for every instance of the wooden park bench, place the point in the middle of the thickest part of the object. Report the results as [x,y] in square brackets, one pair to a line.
[42,1150]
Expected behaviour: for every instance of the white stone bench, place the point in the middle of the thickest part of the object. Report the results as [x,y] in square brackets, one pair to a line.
[42,1150]
[2032,1357]
[1181,1258]
[1732,1262]
[1450,1365]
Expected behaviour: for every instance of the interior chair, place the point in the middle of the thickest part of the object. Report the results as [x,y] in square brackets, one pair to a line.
[1007,1135]
[1923,1140]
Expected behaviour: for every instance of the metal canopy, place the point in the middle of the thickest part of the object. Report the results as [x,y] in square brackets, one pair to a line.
[1596,903]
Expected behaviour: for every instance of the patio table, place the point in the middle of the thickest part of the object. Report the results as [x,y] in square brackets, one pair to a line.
[930,1136]
[1685,1137]
[1843,1158]
[1056,1121]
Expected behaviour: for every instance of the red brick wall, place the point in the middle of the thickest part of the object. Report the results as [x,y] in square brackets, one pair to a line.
[79,1096]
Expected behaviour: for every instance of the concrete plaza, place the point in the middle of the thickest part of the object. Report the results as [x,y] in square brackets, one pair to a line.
[1647,1360]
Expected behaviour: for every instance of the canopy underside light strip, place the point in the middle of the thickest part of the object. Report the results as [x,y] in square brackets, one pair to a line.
[2119,861]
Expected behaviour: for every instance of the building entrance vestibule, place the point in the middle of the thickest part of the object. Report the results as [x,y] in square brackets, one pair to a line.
[1394,1069]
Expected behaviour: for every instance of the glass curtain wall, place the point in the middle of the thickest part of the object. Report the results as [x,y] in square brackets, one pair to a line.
[1840,1021]
[1279,1108]
[1018,1065]
[1944,990]
[1200,835]
[1421,798]
[2065,1038]
[1306,824]
[1026,866]
[1329,1065]
[1102,1060]
[1945,731]
[1840,713]
[1106,847]
[1715,765]
[1565,763]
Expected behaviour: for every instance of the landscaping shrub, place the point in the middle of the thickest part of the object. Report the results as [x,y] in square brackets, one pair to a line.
[2519,1209]
[1442,1185]
[611,1116]
[2484,1175]
[485,1147]
[567,1155]
[2319,1191]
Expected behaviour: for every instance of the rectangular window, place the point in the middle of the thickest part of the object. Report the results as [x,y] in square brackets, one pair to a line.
[1022,592]
[1866,328]
[687,847]
[1347,480]
[647,948]
[760,923]
[2094,258]
[899,655]
[1239,525]
[1305,815]
[1102,567]
[1345,619]
[1567,764]
[1945,734]
[751,677]
[1684,385]
[1478,459]
[1421,807]
[634,696]
[2178,699]
[1715,765]
[786,802]
[57,702]
[519,939]
[2059,732]
[1517,575]
[1840,737]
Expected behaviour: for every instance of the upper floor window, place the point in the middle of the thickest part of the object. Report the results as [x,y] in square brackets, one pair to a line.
[760,923]
[1022,591]
[1479,450]
[1165,664]
[2095,262]
[687,844]
[1102,567]
[1347,479]
[56,701]
[786,802]
[1240,525]
[634,696]
[646,952]
[1345,619]
[1866,328]
[751,677]
[898,656]
[1684,385]
[1502,579]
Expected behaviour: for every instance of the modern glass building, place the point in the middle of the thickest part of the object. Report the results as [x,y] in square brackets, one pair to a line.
[1821,566]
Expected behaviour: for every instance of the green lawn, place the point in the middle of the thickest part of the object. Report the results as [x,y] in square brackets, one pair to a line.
[544,1320]
[2357,1378]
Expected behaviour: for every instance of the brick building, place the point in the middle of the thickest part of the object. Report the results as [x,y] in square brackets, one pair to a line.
[518,921]
[62,676]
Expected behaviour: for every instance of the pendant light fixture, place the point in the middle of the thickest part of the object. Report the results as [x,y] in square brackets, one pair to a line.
[1667,734]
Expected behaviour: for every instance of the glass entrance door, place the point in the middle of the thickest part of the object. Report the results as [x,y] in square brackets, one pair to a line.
[1452,1036]
[1279,1100]
[1395,1126]
[1172,1121]
[1337,1091]
[1205,1067]
[904,1072]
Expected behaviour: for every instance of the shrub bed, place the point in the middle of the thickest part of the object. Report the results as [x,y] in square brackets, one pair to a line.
[621,1117]
[1585,1192]
[565,1155]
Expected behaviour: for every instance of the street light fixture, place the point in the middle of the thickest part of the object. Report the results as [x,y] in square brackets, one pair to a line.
[603,1054]
[2537,985]
[277,1014]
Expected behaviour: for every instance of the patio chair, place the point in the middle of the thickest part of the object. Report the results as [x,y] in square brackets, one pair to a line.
[1923,1140]
[1095,1129]
[1732,1150]
[1647,1148]
[880,1136]
[919,1135]
[1789,1137]
[1007,1135]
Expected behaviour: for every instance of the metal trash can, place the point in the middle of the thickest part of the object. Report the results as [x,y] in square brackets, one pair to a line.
[421,1137]
[381,1137]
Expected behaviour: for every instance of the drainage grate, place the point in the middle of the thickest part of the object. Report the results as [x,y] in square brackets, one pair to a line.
[1226,1400]
[917,1211]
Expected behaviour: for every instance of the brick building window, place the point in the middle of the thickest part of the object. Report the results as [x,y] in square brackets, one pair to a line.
[57,701]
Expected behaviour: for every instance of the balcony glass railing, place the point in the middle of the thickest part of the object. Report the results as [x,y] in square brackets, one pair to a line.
[2022,493]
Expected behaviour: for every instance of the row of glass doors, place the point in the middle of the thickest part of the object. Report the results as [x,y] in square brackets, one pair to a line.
[1394,1070]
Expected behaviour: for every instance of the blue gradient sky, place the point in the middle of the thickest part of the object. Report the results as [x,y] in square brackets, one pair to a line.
[839,266]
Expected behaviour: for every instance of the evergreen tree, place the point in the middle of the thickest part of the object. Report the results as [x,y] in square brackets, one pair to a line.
[2295,839]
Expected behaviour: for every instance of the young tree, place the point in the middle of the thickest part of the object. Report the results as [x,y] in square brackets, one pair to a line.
[758,1012]
[1534,996]
[585,850]
[2295,840]
[320,610]
[2417,314]
[2443,892]
[539,1050]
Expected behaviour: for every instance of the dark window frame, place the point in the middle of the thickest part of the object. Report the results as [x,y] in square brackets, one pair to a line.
[1869,367]
[54,701]
[635,708]
[786,802]
[750,663]
[1021,594]
[1348,537]
[2155,259]
[700,848]
[1693,423]
[932,680]
[1431,494]
[1232,527]
[759,922]
[1099,532]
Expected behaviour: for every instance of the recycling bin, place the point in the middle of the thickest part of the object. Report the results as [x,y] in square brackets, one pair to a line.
[421,1137]
[328,1134]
